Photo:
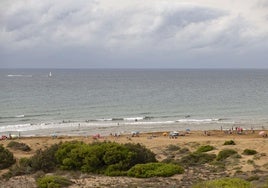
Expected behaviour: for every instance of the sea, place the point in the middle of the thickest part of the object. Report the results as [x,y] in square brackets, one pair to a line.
[103,101]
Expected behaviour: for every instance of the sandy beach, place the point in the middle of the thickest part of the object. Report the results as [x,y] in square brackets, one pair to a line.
[248,165]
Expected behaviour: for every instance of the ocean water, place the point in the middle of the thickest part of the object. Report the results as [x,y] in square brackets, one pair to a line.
[86,102]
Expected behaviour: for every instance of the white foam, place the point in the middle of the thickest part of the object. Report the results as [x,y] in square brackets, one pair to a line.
[18,127]
[20,116]
[196,120]
[19,75]
[54,126]
[133,118]
[103,119]
[150,122]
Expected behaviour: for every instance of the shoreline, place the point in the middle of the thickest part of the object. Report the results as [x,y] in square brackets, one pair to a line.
[86,129]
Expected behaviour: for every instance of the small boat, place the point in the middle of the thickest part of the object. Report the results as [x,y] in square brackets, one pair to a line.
[50,74]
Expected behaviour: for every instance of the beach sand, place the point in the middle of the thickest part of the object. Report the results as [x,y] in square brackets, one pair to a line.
[248,165]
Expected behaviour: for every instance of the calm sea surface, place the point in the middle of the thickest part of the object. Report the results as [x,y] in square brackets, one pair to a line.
[91,101]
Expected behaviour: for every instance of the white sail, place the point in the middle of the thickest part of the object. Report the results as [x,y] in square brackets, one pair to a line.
[50,74]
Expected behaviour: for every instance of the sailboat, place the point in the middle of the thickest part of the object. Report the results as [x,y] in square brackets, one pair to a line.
[50,74]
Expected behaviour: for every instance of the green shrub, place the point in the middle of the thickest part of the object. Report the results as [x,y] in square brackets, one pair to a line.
[142,154]
[44,160]
[224,154]
[194,159]
[108,158]
[20,168]
[102,157]
[71,155]
[229,142]
[249,152]
[18,146]
[154,170]
[205,148]
[116,170]
[224,183]
[53,182]
[6,158]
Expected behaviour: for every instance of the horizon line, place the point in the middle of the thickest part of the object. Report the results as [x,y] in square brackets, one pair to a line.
[124,68]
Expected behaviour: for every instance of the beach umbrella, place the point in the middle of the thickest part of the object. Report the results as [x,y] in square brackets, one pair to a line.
[262,133]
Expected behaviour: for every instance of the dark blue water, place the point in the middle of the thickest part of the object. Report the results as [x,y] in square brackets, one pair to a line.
[133,97]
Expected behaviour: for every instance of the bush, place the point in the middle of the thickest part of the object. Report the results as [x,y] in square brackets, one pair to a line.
[116,170]
[6,158]
[154,170]
[224,183]
[70,155]
[142,154]
[108,158]
[53,182]
[104,158]
[194,159]
[229,142]
[224,154]
[205,148]
[44,160]
[21,168]
[18,146]
[249,152]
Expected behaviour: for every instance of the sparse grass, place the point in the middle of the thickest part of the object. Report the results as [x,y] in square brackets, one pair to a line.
[172,147]
[265,165]
[193,144]
[184,151]
[18,146]
[251,162]
[259,155]
[195,159]
[253,178]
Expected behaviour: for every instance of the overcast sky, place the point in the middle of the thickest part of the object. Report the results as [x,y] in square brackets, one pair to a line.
[134,34]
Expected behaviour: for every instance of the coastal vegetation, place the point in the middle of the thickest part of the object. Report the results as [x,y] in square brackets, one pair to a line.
[205,148]
[224,182]
[224,154]
[107,158]
[154,170]
[18,146]
[64,163]
[229,142]
[249,152]
[53,181]
[197,158]
[6,158]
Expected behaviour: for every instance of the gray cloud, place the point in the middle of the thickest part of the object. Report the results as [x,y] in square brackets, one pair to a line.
[154,34]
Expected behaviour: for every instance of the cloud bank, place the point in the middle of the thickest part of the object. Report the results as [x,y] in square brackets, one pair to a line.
[134,34]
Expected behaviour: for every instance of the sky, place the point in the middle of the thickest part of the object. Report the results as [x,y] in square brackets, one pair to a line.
[134,34]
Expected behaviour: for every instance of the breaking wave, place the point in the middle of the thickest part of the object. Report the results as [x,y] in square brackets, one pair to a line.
[19,75]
